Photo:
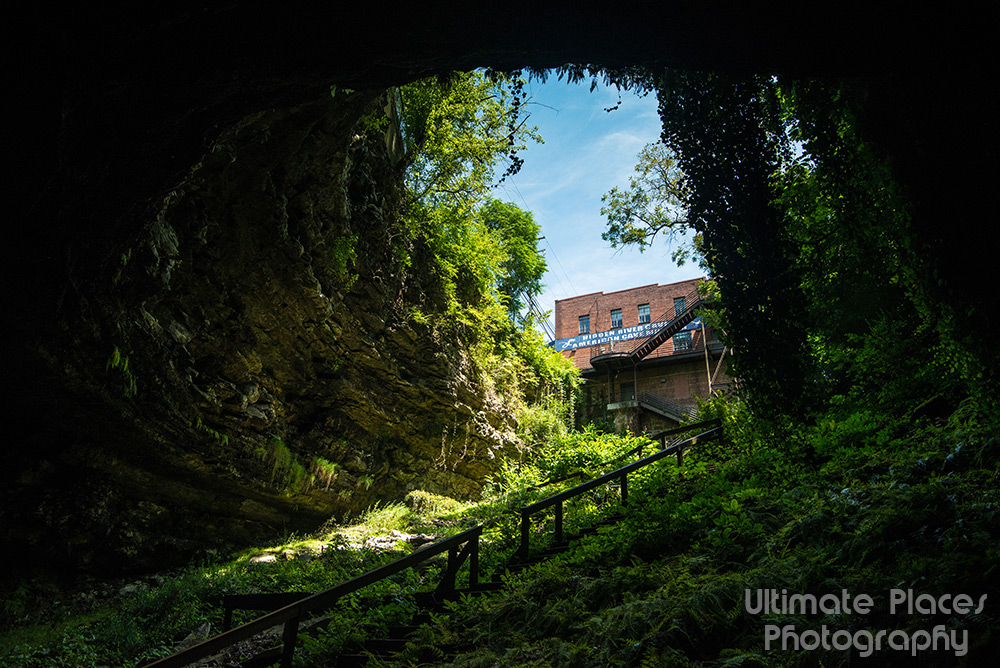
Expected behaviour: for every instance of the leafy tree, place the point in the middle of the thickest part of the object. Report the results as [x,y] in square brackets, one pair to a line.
[729,140]
[456,129]
[652,204]
[522,270]
[457,132]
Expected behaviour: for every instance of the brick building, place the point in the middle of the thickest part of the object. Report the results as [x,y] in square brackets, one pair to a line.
[644,353]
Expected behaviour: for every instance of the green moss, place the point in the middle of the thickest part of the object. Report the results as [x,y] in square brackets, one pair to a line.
[120,363]
[215,434]
[290,475]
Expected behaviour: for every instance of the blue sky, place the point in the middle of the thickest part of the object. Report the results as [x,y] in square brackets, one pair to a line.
[587,151]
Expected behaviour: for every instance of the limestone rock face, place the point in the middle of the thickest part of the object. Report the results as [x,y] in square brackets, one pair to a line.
[265,303]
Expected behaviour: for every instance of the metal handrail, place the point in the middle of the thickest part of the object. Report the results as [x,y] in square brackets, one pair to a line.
[620,474]
[667,405]
[661,435]
[292,614]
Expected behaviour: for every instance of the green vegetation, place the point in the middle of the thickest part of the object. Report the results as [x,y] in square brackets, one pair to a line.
[457,132]
[344,258]
[146,621]
[865,499]
[214,433]
[653,203]
[798,217]
[288,473]
[324,471]
[867,504]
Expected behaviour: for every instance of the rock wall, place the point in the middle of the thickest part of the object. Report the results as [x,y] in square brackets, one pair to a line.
[265,302]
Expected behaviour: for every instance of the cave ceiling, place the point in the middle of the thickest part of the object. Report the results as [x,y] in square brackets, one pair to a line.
[114,102]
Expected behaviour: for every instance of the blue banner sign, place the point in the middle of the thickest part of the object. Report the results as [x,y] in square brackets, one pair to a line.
[620,334]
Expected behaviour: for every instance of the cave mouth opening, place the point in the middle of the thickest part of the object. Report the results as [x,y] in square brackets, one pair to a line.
[114,117]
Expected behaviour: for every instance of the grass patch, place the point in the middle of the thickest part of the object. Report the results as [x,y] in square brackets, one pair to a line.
[130,629]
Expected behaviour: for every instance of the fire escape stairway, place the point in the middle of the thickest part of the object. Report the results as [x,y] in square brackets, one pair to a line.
[632,352]
[654,341]
[673,410]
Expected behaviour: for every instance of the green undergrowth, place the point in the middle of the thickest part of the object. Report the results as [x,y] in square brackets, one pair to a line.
[863,505]
[131,625]
[861,502]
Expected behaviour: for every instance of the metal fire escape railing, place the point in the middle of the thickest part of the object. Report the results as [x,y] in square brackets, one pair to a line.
[626,353]
[672,409]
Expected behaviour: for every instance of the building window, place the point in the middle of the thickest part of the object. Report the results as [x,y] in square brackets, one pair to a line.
[643,313]
[680,306]
[585,324]
[616,318]
[682,341]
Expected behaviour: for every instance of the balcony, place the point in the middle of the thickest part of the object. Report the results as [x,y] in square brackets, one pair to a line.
[611,357]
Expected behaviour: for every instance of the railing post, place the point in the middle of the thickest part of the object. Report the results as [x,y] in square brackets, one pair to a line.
[624,486]
[474,562]
[227,619]
[525,528]
[288,638]
[448,581]
[559,522]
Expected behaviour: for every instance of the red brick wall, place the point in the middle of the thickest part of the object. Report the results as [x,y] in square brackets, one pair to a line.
[598,306]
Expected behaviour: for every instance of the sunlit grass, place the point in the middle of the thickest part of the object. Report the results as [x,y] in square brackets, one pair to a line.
[125,629]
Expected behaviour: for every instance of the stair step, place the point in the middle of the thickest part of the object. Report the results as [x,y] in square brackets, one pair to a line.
[425,598]
[266,658]
[385,646]
[402,631]
[421,618]
[484,587]
[351,661]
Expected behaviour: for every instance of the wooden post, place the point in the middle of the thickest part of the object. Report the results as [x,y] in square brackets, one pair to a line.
[559,522]
[448,581]
[718,366]
[288,637]
[624,485]
[474,563]
[525,528]
[708,365]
